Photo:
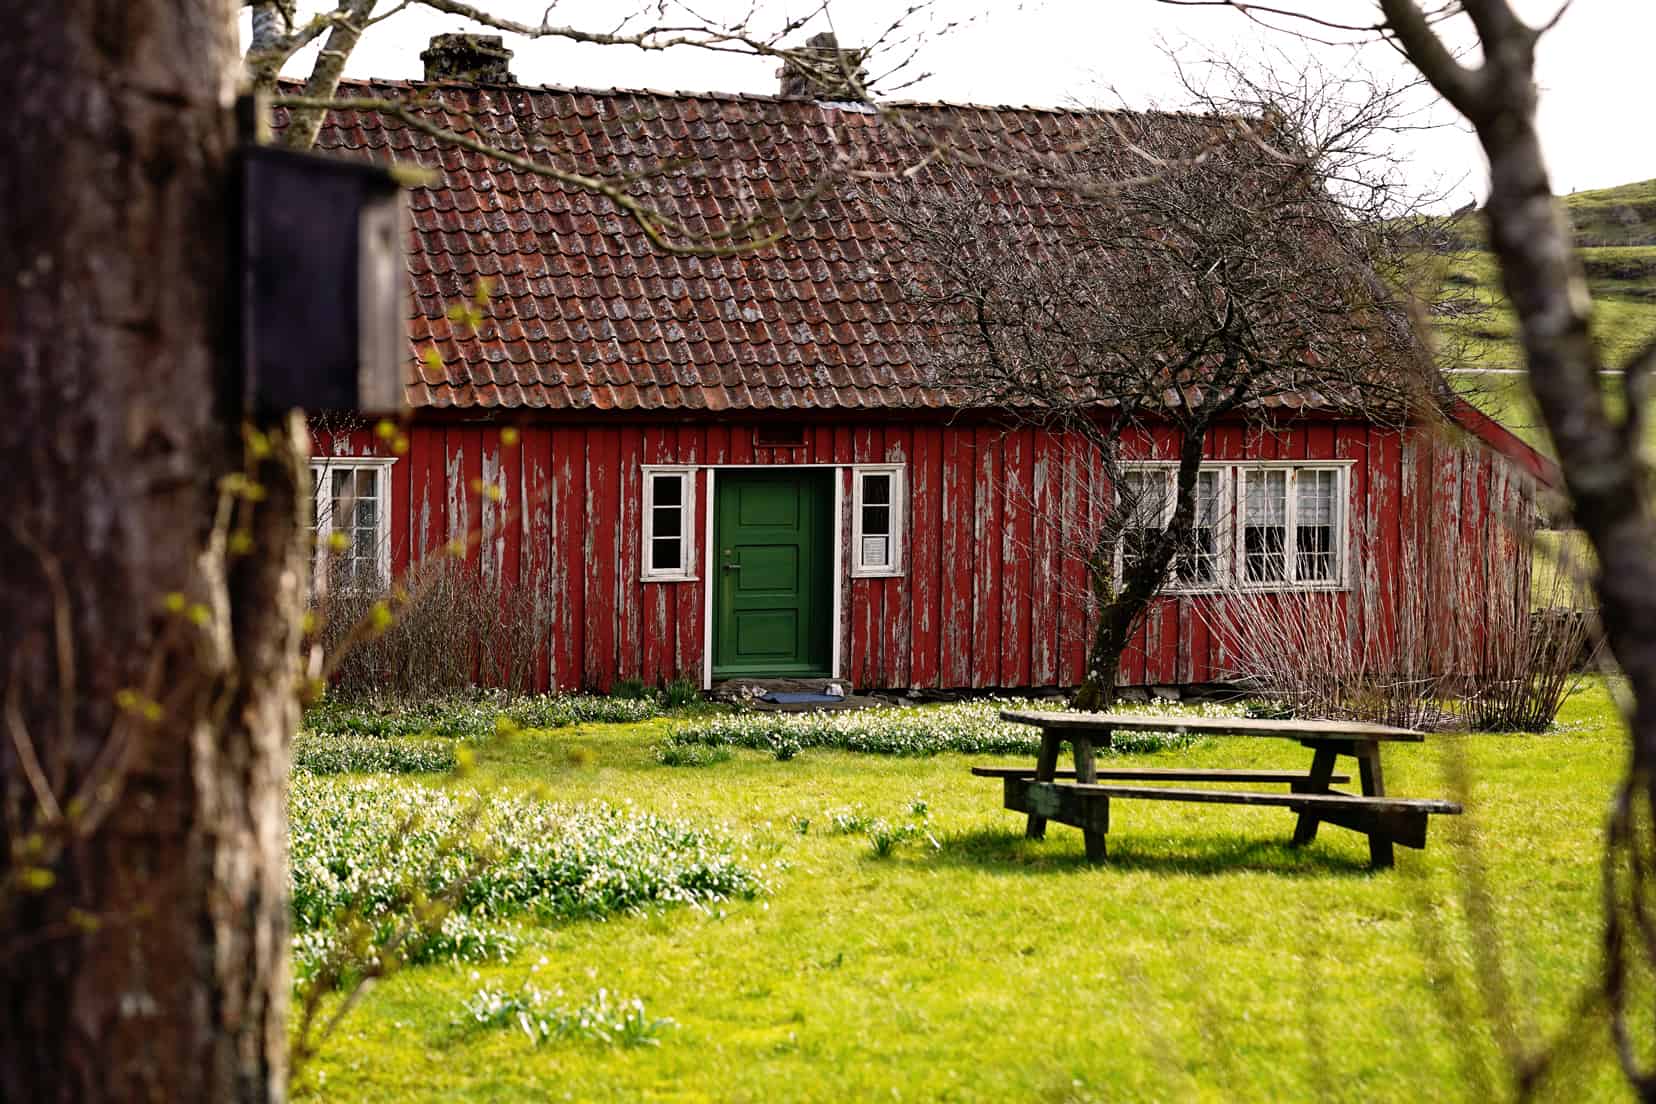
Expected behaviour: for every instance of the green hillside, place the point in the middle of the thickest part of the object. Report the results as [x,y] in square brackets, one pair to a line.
[1616,233]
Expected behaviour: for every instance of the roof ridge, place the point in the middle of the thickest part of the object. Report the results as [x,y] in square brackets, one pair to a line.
[757,97]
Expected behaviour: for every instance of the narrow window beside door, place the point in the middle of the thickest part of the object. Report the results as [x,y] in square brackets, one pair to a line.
[877,520]
[666,538]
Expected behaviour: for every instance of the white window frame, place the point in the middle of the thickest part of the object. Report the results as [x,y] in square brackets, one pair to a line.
[1342,525]
[685,572]
[1224,544]
[898,510]
[1233,507]
[322,469]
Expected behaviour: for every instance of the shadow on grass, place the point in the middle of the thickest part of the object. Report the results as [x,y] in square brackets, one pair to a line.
[1007,851]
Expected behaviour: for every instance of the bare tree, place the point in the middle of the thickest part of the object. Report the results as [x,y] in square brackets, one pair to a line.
[1600,453]
[1204,267]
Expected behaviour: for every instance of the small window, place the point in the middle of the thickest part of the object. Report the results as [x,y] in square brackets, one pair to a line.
[352,512]
[1198,563]
[877,520]
[1316,544]
[1292,526]
[667,544]
[1151,493]
[1144,495]
[1265,526]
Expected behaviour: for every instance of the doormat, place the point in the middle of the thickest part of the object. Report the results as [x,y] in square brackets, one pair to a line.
[799,697]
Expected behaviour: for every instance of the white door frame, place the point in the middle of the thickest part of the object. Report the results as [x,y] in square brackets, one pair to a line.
[835,644]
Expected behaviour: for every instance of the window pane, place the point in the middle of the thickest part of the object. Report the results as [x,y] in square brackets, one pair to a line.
[1314,553]
[876,521]
[1267,495]
[367,483]
[1207,498]
[876,489]
[1316,498]
[664,554]
[1264,530]
[1200,562]
[669,521]
[668,490]
[1262,549]
[1315,511]
[876,551]
[367,513]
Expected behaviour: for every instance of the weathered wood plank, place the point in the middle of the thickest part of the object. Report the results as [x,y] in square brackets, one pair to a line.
[1046,763]
[1168,774]
[925,565]
[538,536]
[986,640]
[603,458]
[1322,773]
[569,520]
[1327,804]
[1213,726]
[897,649]
[958,506]
[1016,538]
[1044,579]
[1044,801]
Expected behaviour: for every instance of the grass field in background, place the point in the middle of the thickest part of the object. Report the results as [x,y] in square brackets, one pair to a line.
[1616,235]
[1208,960]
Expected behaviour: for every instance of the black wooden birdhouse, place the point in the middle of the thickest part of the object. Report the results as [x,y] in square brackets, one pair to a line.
[323,284]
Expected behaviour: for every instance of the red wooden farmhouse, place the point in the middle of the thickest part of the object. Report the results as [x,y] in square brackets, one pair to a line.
[734,466]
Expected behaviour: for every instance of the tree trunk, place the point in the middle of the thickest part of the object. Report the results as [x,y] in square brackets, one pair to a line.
[1122,603]
[145,958]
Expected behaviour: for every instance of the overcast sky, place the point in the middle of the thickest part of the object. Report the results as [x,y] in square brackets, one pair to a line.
[1594,67]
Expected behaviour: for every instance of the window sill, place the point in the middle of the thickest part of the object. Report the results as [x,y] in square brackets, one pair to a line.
[882,573]
[669,578]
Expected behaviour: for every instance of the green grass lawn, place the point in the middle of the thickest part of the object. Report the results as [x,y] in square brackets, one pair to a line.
[1206,961]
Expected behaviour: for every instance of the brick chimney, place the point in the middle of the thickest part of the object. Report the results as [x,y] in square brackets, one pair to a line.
[819,71]
[472,58]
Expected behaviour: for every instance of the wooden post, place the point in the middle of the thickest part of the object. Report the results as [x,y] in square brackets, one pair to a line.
[1374,785]
[1322,768]
[1046,766]
[1086,772]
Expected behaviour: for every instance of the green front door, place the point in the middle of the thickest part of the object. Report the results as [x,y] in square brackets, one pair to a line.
[772,565]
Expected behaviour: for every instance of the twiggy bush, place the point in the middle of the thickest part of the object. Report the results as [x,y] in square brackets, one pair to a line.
[1457,639]
[463,630]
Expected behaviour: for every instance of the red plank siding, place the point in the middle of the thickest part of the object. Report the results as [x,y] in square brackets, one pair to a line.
[997,527]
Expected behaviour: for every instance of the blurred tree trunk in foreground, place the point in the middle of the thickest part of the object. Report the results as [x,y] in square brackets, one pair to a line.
[148,657]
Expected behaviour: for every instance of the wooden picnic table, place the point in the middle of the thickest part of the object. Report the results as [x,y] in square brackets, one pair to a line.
[1046,793]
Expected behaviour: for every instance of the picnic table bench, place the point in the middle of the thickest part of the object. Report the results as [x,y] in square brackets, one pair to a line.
[1077,797]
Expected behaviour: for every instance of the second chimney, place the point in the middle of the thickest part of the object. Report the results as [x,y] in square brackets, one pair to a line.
[472,58]
[822,70]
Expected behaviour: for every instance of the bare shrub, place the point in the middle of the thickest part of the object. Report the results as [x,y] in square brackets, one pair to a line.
[1457,638]
[1545,645]
[459,629]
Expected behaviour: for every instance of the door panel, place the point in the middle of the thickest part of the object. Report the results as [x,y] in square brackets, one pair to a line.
[771,573]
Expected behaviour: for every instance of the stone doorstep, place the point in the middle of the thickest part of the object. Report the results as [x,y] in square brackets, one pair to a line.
[747,691]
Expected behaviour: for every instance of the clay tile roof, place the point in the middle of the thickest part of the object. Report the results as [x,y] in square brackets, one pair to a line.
[586,314]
